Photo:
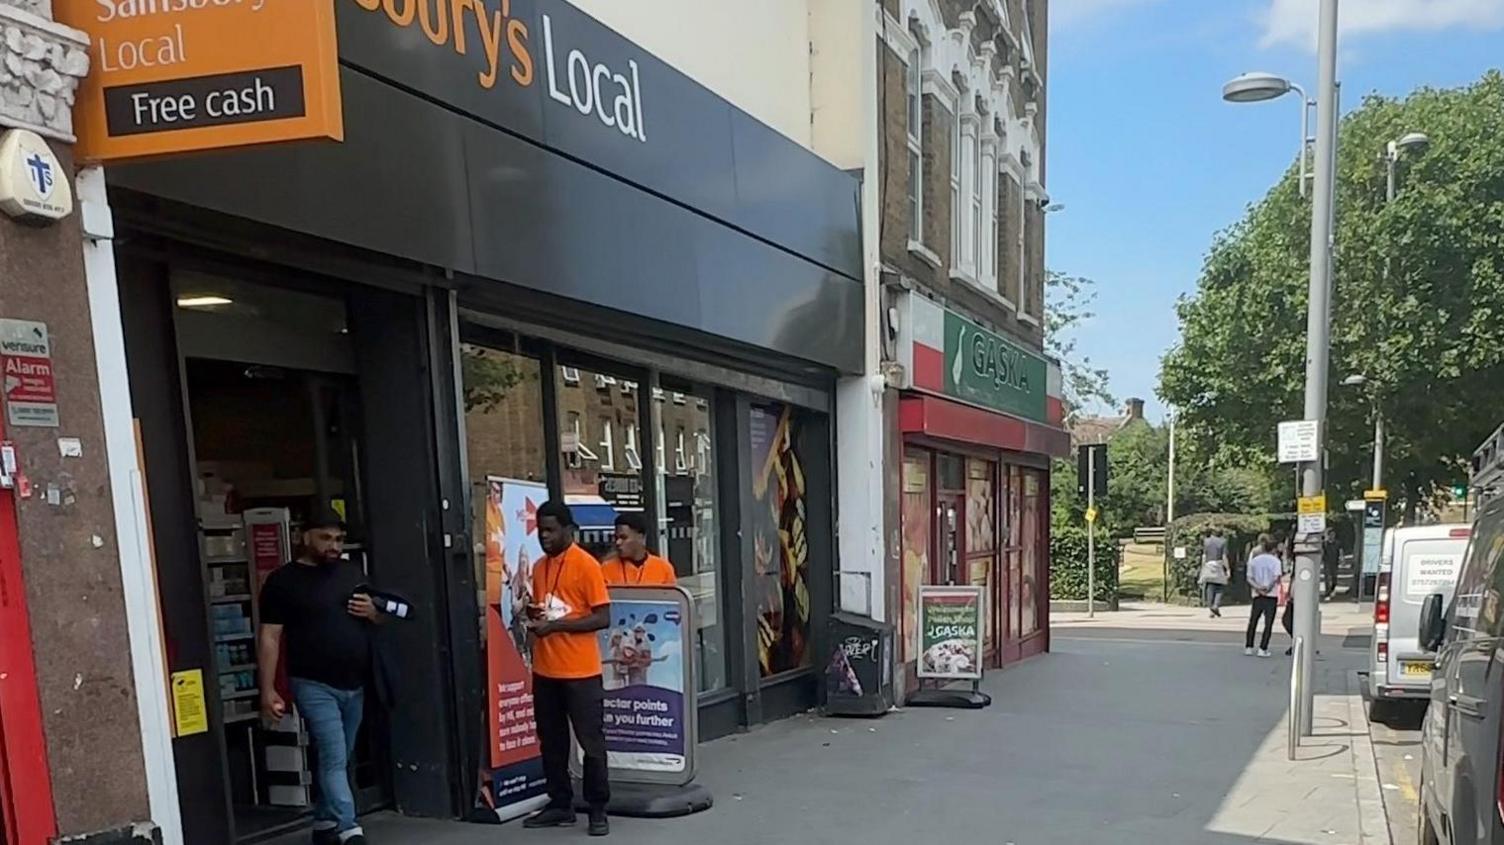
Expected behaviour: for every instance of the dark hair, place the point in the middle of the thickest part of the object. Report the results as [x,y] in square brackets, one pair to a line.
[635,521]
[1267,543]
[324,519]
[559,511]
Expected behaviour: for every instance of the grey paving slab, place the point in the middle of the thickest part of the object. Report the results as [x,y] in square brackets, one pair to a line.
[1117,737]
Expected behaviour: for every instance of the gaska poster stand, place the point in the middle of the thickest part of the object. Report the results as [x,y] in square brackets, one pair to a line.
[950,647]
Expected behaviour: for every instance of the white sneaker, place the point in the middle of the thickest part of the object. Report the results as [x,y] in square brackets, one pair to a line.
[1264,652]
[1248,652]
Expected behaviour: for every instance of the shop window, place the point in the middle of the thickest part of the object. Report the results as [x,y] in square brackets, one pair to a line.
[779,539]
[691,531]
[1034,551]
[981,536]
[599,481]
[917,516]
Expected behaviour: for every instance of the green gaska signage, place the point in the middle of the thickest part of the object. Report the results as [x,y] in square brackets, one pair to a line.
[950,632]
[984,368]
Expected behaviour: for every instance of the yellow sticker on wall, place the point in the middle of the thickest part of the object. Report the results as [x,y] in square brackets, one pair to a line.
[190,711]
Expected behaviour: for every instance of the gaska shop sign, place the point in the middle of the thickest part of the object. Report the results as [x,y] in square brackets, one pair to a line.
[509,48]
[984,368]
[174,76]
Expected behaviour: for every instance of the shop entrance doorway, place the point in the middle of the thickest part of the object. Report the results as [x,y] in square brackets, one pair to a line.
[274,420]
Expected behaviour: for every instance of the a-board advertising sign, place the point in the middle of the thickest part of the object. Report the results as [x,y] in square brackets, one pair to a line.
[650,710]
[176,76]
[950,632]
[514,776]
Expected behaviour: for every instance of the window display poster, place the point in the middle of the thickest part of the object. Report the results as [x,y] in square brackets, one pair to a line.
[511,549]
[646,703]
[780,545]
[950,632]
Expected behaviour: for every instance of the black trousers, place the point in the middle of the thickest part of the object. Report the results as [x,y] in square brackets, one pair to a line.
[558,705]
[1265,606]
[1288,618]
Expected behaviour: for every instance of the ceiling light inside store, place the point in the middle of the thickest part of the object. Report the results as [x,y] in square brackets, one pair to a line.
[203,301]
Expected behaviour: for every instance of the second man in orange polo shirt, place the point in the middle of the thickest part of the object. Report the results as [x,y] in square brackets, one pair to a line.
[634,565]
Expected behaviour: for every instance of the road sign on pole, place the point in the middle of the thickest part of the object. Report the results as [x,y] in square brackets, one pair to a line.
[1299,442]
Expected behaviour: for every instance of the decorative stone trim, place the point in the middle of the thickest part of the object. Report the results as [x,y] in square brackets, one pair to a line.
[41,65]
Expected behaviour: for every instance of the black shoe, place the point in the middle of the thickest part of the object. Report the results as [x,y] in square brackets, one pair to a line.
[325,836]
[357,839]
[1290,651]
[550,817]
[599,826]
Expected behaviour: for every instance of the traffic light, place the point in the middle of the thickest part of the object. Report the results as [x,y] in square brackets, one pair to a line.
[1091,463]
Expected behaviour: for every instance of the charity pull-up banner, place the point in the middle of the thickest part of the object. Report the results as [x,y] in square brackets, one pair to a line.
[175,76]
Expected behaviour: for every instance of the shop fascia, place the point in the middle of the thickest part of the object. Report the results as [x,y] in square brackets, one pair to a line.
[948,354]
[575,80]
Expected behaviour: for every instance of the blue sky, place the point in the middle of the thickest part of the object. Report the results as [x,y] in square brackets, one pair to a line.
[1150,163]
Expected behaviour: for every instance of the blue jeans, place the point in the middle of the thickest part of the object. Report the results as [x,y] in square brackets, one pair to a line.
[333,717]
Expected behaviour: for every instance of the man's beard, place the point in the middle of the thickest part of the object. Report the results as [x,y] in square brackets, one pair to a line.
[330,556]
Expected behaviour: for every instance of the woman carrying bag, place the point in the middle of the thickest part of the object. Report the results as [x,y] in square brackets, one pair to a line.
[1215,573]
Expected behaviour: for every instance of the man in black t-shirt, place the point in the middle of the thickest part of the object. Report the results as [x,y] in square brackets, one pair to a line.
[312,603]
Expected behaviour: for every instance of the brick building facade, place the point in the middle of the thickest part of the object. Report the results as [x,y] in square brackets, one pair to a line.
[975,416]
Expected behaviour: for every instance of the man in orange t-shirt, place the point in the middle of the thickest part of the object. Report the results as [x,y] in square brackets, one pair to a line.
[570,606]
[634,565]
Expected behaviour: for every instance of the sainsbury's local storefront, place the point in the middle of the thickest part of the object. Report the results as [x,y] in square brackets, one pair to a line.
[538,254]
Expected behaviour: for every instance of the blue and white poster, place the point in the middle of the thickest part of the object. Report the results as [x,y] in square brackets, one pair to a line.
[648,713]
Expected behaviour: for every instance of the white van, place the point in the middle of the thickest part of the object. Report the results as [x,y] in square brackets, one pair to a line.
[1417,561]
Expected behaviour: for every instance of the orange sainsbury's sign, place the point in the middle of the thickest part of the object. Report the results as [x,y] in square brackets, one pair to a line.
[174,76]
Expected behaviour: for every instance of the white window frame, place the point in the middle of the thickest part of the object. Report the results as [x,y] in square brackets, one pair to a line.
[582,453]
[975,209]
[662,462]
[914,120]
[571,374]
[989,275]
[608,447]
[634,458]
[955,191]
[969,165]
[681,460]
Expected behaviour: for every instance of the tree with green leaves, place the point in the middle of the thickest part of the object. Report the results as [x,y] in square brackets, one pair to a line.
[1068,306]
[1419,285]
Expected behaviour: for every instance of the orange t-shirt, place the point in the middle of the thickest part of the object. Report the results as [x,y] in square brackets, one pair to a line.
[654,571]
[569,586]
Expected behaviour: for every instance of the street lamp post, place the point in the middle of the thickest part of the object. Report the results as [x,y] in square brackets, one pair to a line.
[1258,86]
[1392,152]
[1378,427]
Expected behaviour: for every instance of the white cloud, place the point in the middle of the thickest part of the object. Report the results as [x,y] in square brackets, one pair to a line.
[1067,14]
[1294,22]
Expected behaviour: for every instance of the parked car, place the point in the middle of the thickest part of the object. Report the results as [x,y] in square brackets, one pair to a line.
[1461,789]
[1417,561]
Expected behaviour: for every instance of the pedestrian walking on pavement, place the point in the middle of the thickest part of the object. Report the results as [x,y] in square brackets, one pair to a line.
[319,606]
[1264,573]
[570,605]
[1331,557]
[1215,572]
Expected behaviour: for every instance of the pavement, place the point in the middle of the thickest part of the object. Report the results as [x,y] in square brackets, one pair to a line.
[1147,725]
[1396,746]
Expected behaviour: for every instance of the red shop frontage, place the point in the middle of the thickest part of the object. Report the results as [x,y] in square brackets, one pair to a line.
[975,479]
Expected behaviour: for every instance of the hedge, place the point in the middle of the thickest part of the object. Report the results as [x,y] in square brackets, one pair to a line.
[1068,564]
[1241,531]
